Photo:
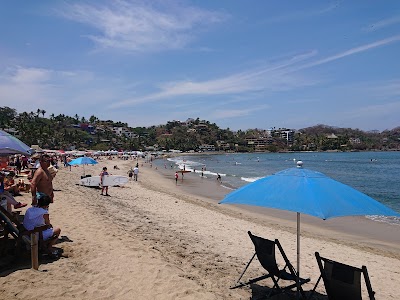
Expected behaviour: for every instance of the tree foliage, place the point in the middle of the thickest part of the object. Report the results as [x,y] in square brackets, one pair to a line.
[66,132]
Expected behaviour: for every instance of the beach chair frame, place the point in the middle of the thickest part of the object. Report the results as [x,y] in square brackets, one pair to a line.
[265,252]
[342,281]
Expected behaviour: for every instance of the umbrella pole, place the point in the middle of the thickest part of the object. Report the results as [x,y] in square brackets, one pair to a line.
[298,257]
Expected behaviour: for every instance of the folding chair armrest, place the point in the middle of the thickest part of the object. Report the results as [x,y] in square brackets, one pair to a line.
[38,229]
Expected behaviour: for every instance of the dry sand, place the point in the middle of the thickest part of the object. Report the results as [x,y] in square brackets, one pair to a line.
[152,239]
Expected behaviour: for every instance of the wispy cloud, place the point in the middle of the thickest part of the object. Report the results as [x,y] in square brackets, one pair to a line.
[302,14]
[384,89]
[234,113]
[352,51]
[20,75]
[376,110]
[382,24]
[142,26]
[56,91]
[272,77]
[278,77]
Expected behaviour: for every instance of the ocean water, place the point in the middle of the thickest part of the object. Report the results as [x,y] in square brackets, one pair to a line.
[376,174]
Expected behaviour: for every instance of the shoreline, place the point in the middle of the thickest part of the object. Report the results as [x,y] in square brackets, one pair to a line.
[358,231]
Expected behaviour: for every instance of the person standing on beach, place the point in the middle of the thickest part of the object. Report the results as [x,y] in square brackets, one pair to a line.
[176,177]
[42,180]
[219,177]
[130,174]
[103,187]
[135,173]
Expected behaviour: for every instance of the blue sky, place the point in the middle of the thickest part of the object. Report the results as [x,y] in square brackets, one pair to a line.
[241,64]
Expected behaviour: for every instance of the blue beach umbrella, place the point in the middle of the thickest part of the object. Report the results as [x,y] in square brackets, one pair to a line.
[308,192]
[11,145]
[84,160]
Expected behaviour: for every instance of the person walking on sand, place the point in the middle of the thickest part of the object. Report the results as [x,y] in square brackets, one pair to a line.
[135,173]
[130,174]
[176,177]
[42,180]
[103,187]
[219,177]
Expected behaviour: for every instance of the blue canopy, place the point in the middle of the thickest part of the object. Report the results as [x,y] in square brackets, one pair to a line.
[309,192]
[83,161]
[11,145]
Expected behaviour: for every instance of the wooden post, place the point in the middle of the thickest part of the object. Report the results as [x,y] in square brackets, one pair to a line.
[34,251]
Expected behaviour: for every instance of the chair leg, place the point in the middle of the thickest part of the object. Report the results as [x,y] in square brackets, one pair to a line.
[241,275]
[371,293]
[315,286]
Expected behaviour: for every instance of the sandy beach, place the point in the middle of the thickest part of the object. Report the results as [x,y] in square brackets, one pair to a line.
[154,239]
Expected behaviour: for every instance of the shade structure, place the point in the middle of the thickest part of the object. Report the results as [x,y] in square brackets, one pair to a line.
[84,160]
[9,144]
[310,192]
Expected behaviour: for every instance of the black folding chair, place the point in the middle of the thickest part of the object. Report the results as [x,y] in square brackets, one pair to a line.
[265,251]
[342,282]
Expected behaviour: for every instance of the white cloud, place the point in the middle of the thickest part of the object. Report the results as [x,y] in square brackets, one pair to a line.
[141,26]
[278,77]
[273,77]
[383,24]
[353,51]
[68,92]
[302,14]
[385,89]
[233,113]
[20,75]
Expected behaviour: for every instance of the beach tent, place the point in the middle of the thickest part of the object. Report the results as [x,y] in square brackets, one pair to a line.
[309,192]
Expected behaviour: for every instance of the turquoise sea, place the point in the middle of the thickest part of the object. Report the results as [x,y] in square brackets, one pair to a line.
[376,174]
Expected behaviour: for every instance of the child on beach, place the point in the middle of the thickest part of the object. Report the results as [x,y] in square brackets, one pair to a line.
[176,177]
[103,187]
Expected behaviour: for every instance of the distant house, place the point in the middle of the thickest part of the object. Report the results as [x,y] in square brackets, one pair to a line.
[201,127]
[331,136]
[123,131]
[206,147]
[354,141]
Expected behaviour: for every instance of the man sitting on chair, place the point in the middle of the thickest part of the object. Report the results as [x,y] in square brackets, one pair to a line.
[37,216]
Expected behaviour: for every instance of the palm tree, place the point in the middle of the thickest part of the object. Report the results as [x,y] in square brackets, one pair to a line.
[43,112]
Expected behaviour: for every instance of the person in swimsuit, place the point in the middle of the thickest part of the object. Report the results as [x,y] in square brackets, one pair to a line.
[42,180]
[103,187]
